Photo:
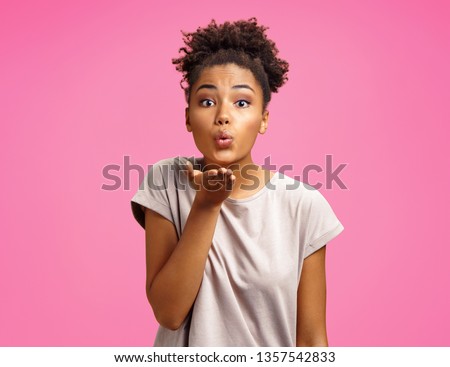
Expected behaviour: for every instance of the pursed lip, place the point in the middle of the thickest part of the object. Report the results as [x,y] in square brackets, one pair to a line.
[223,135]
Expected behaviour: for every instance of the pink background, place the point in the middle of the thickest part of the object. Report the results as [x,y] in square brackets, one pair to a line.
[85,84]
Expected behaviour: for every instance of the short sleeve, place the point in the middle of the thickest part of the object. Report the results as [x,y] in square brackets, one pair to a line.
[323,224]
[152,194]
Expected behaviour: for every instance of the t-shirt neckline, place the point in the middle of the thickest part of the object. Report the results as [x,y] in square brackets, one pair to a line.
[257,194]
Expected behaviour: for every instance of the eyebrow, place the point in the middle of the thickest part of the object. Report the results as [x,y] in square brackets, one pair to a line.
[211,86]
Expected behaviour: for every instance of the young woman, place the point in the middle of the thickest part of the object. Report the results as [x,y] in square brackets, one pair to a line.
[235,253]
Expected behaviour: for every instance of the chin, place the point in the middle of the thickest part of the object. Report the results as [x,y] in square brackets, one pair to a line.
[222,158]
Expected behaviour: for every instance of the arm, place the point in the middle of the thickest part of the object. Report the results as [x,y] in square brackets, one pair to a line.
[175,268]
[311,302]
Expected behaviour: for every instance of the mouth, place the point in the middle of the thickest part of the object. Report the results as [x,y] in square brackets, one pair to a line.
[224,143]
[223,135]
[223,139]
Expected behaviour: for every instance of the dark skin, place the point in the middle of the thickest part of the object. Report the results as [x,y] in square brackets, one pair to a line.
[235,110]
[218,107]
[175,266]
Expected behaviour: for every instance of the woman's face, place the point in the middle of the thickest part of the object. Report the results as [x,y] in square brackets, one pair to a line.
[226,99]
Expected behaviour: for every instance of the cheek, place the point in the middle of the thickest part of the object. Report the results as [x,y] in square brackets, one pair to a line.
[200,131]
[199,122]
[201,136]
[252,127]
[199,114]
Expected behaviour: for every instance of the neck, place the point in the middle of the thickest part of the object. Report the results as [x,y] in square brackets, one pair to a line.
[249,175]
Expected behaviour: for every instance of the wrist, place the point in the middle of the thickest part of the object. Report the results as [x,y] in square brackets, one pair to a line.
[206,204]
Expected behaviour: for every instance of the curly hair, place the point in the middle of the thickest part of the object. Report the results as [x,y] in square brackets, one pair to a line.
[243,43]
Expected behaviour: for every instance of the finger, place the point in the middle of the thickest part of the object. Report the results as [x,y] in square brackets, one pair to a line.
[194,176]
[221,173]
[228,174]
[230,180]
[211,172]
[190,169]
[198,177]
[214,182]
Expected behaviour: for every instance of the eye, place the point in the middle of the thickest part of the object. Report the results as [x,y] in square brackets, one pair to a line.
[205,100]
[243,100]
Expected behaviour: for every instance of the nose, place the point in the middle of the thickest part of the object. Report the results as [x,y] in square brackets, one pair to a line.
[222,117]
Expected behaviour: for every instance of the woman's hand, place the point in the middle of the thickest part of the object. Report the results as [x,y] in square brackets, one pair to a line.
[212,186]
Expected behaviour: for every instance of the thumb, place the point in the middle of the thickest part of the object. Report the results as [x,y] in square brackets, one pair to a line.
[190,169]
[194,175]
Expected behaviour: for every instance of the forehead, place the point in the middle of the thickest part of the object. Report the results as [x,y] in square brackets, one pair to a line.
[226,74]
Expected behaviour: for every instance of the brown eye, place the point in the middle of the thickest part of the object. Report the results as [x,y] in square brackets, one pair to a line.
[243,100]
[205,100]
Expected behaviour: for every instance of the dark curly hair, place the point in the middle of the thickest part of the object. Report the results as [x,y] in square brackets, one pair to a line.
[243,43]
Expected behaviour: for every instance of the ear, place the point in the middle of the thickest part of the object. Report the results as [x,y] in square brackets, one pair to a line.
[188,124]
[264,122]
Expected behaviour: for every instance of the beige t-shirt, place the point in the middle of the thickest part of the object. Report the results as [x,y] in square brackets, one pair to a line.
[248,295]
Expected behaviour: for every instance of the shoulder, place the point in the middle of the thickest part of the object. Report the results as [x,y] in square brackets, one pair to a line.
[300,197]
[294,189]
[170,175]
